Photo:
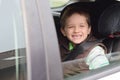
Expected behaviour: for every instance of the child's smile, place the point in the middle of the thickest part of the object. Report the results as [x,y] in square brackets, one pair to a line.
[76,29]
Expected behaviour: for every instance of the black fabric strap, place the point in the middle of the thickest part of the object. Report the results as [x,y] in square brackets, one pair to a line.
[80,48]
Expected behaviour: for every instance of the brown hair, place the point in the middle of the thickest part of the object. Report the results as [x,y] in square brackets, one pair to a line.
[70,10]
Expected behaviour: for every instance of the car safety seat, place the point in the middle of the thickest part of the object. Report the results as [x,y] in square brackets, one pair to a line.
[109,27]
[83,5]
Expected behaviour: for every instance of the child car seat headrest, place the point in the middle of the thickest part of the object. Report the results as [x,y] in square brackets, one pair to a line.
[109,22]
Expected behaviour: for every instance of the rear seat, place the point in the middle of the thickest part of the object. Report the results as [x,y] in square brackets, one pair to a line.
[109,27]
[100,27]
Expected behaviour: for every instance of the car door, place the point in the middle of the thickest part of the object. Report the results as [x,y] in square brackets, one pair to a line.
[29,48]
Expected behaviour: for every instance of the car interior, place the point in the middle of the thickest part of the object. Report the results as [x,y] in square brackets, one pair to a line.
[105,17]
[109,27]
[102,24]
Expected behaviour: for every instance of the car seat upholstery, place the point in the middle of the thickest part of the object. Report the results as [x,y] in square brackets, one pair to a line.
[98,7]
[109,27]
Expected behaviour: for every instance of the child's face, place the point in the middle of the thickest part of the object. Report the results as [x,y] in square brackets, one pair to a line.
[76,28]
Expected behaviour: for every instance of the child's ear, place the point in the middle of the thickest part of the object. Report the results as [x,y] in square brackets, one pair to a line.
[62,31]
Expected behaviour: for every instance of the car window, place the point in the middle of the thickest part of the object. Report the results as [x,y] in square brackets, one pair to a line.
[12,40]
[98,73]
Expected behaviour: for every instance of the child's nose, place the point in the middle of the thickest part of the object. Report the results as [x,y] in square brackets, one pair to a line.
[77,29]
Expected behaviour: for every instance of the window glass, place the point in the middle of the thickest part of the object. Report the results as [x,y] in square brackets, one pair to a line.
[12,50]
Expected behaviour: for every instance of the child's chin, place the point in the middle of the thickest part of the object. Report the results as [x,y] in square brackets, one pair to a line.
[77,42]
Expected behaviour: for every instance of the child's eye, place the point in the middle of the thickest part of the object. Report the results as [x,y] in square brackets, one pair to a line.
[82,26]
[70,26]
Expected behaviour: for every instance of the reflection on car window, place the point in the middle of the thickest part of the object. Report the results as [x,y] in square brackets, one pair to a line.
[57,3]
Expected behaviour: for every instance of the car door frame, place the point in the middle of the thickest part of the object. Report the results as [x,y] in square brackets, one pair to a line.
[43,57]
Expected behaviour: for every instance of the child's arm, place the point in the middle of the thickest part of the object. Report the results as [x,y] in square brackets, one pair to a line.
[97,58]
